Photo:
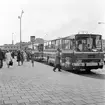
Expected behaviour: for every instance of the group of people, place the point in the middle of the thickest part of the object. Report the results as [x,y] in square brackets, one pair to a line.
[9,56]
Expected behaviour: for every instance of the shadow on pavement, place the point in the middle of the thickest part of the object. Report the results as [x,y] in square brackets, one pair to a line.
[90,74]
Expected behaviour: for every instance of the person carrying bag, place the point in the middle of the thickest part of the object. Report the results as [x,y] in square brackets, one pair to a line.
[9,59]
[11,62]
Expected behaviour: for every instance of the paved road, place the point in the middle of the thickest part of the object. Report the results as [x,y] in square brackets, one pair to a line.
[39,85]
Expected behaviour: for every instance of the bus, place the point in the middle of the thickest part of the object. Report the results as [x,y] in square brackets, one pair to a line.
[38,52]
[78,52]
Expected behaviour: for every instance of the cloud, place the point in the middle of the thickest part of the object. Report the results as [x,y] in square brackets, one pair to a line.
[74,26]
[54,17]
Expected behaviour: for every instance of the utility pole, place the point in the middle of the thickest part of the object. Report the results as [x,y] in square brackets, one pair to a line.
[20,17]
[12,39]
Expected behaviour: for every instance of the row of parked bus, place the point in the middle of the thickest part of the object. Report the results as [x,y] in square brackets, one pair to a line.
[78,52]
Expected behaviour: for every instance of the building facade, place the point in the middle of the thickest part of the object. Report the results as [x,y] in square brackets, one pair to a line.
[14,47]
[24,45]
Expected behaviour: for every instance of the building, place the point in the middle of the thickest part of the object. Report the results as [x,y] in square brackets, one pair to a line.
[24,45]
[36,42]
[10,47]
[14,47]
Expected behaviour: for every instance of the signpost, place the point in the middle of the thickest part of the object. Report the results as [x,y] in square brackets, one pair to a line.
[32,39]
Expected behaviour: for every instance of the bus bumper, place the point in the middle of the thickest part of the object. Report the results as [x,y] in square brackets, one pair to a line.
[90,65]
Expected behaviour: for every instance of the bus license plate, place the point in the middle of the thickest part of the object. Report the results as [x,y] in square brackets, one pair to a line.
[91,64]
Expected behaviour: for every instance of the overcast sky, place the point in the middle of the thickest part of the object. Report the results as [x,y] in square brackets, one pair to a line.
[50,19]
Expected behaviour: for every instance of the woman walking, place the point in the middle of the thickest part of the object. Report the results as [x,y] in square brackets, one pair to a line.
[8,58]
[57,61]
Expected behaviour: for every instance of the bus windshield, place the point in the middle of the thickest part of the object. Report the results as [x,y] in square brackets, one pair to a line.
[88,43]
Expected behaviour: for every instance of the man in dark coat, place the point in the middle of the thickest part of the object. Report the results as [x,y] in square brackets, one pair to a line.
[57,61]
[21,58]
[1,58]
[13,54]
[18,57]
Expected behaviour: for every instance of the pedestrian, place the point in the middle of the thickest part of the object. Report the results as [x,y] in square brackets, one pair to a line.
[8,58]
[32,58]
[13,54]
[28,56]
[24,55]
[18,57]
[21,57]
[1,58]
[57,61]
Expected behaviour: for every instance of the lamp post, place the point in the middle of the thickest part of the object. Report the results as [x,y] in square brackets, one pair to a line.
[20,17]
[101,22]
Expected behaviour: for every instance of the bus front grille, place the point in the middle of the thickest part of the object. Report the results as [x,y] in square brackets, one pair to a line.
[91,60]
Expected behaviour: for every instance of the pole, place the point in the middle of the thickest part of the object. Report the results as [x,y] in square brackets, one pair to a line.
[20,33]
[20,17]
[33,46]
[101,41]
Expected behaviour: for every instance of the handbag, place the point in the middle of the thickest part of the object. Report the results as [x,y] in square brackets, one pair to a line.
[10,62]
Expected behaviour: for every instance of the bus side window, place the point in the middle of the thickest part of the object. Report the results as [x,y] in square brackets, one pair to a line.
[57,45]
[63,44]
[72,44]
[49,45]
[53,44]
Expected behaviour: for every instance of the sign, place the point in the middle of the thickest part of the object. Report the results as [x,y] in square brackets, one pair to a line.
[32,39]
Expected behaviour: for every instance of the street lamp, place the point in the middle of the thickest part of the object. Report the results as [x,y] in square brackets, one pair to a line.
[20,17]
[101,22]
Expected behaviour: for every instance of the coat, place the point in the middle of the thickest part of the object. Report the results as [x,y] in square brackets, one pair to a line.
[1,55]
[18,56]
[8,57]
[22,56]
[57,58]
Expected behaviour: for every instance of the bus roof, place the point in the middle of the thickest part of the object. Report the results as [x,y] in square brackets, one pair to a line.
[71,37]
[88,34]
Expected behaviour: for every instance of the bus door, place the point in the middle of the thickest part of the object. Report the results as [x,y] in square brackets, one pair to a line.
[68,47]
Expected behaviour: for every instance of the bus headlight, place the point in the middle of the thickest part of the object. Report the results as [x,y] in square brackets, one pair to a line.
[101,60]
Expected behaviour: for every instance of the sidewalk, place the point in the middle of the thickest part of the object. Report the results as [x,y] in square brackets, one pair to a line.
[39,85]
